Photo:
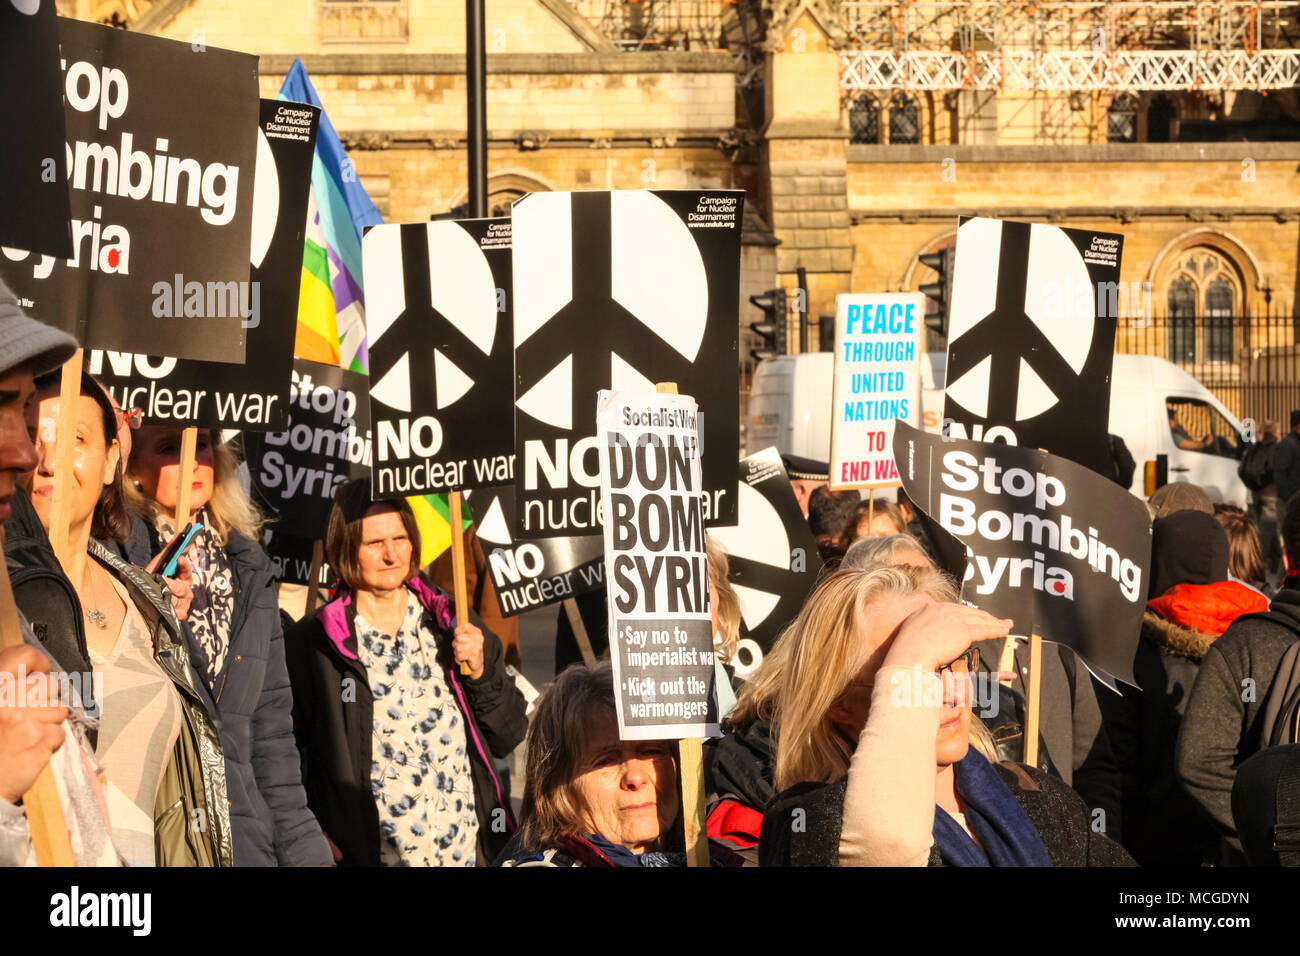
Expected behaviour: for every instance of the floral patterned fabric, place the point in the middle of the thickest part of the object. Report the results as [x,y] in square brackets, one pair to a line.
[420,775]
[211,612]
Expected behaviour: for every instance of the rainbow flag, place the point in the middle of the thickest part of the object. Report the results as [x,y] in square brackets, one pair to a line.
[331,304]
[433,515]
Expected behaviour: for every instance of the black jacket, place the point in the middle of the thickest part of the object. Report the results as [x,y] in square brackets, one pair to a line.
[252,705]
[738,766]
[45,595]
[1057,813]
[1222,725]
[333,718]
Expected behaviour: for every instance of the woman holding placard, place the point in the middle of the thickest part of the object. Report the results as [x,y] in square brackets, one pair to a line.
[156,741]
[400,702]
[872,730]
[234,635]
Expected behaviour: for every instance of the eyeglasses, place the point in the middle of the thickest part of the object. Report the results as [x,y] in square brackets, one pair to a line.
[133,417]
[968,663]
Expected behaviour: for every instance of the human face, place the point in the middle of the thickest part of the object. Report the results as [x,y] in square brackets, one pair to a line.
[803,489]
[17,456]
[385,552]
[627,789]
[849,713]
[94,460]
[156,469]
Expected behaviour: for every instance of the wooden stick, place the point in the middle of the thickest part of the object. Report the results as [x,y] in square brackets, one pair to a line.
[691,769]
[580,631]
[189,439]
[65,447]
[313,576]
[45,820]
[693,802]
[871,509]
[458,565]
[1032,694]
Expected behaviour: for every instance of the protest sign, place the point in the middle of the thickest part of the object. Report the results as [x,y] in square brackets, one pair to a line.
[878,345]
[1051,544]
[660,629]
[34,209]
[438,320]
[1031,337]
[620,290]
[772,555]
[161,142]
[291,559]
[294,473]
[253,396]
[532,574]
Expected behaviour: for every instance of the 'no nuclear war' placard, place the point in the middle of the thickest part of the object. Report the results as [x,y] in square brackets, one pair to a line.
[878,343]
[657,574]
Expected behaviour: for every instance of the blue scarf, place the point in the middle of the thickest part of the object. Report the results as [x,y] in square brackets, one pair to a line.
[622,856]
[994,815]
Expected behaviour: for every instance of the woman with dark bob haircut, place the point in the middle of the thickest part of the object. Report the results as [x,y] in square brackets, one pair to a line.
[592,799]
[416,787]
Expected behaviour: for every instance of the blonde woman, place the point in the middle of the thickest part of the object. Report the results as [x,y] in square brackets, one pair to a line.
[872,741]
[234,638]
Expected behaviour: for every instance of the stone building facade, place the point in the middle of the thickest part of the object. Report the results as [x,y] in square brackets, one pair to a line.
[849,182]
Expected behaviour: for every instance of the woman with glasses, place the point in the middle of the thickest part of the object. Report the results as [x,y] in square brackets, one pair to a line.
[873,762]
[235,639]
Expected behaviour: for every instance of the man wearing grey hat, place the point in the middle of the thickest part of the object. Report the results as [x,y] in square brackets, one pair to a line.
[41,728]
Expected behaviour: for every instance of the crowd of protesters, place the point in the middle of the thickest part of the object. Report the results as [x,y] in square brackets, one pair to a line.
[212,729]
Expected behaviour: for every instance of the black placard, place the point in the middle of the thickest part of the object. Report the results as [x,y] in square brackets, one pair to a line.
[1031,336]
[438,320]
[161,140]
[532,574]
[620,290]
[1051,544]
[772,555]
[34,209]
[253,396]
[295,472]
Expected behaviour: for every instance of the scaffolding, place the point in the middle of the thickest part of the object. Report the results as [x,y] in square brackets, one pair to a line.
[1071,46]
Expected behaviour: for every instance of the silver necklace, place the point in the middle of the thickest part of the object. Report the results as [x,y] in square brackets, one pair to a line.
[94,614]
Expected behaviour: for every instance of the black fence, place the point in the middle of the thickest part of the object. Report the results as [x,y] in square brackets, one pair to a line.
[1250,362]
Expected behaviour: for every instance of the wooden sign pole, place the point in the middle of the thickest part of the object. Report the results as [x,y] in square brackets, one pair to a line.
[458,565]
[189,439]
[871,509]
[692,769]
[45,820]
[65,447]
[313,577]
[580,631]
[1032,699]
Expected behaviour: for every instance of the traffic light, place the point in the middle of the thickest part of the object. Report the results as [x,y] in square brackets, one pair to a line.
[772,328]
[940,290]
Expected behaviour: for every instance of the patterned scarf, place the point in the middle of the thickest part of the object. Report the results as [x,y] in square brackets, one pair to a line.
[211,613]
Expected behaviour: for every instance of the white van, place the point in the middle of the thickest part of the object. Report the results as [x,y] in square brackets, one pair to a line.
[790,407]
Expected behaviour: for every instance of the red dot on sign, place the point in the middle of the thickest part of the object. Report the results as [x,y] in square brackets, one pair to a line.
[113,256]
[1059,587]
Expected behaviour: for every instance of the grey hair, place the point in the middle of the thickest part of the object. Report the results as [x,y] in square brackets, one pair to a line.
[872,552]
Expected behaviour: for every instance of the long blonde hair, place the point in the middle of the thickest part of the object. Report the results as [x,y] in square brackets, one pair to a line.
[230,508]
[727,608]
[824,651]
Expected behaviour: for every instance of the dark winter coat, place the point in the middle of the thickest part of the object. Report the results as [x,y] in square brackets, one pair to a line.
[333,719]
[1074,743]
[1286,466]
[1162,825]
[738,781]
[1222,725]
[1058,814]
[45,595]
[252,705]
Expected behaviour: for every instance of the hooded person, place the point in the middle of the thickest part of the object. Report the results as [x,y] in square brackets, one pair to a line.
[1179,496]
[1191,603]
